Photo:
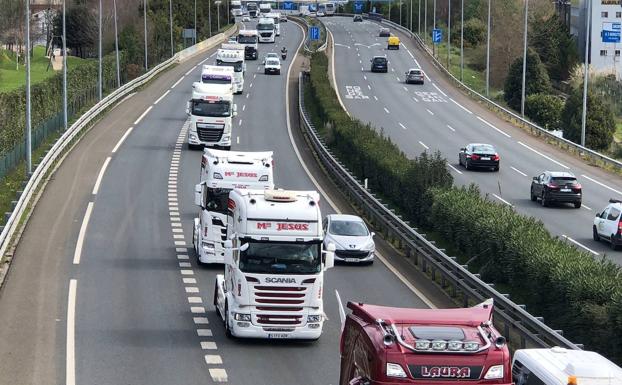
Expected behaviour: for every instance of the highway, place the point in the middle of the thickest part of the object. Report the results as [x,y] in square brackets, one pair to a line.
[435,116]
[104,287]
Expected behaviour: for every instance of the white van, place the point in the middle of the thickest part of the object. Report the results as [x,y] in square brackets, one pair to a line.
[559,366]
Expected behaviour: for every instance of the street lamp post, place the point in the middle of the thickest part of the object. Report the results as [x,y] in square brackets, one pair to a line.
[194,40]
[462,41]
[522,98]
[170,19]
[218,14]
[488,53]
[585,74]
[64,66]
[434,27]
[145,33]
[425,22]
[28,117]
[448,34]
[99,73]
[116,43]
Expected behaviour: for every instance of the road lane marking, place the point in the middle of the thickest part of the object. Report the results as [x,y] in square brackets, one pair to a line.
[415,99]
[401,125]
[208,345]
[375,97]
[195,300]
[461,106]
[518,171]
[492,126]
[70,368]
[453,168]
[387,111]
[197,310]
[100,176]
[586,207]
[364,77]
[544,156]
[502,200]
[451,128]
[161,97]
[204,332]
[191,289]
[424,146]
[116,147]
[213,359]
[177,82]
[240,122]
[405,88]
[580,244]
[601,184]
[398,78]
[188,280]
[143,115]
[77,254]
[218,375]
[368,86]
[418,65]
[200,320]
[190,71]
[439,90]
[429,112]
[243,107]
[187,272]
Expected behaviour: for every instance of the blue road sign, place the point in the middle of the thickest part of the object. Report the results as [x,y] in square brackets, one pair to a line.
[611,32]
[287,5]
[437,35]
[358,7]
[314,33]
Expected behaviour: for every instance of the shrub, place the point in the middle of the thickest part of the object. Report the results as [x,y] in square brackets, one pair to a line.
[545,110]
[536,80]
[600,123]
[474,32]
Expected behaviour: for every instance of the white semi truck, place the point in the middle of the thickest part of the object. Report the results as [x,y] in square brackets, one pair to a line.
[266,30]
[236,8]
[232,55]
[222,171]
[277,22]
[249,38]
[274,265]
[264,8]
[251,7]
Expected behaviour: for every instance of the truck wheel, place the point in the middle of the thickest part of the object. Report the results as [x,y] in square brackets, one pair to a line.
[228,333]
[216,298]
[227,148]
[595,234]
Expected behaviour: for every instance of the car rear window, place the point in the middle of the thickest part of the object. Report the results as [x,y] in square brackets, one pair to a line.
[483,148]
[564,179]
[380,60]
[415,72]
[613,214]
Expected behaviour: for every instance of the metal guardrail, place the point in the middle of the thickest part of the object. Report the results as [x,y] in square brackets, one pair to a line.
[519,327]
[510,115]
[76,128]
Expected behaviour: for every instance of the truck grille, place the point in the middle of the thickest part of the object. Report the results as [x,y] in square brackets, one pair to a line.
[210,135]
[273,301]
[265,34]
[351,253]
[223,228]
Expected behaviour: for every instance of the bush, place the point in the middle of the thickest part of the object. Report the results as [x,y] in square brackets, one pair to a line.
[474,32]
[545,110]
[536,80]
[600,123]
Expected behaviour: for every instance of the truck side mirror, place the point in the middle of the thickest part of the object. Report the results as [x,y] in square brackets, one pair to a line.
[188,106]
[198,195]
[329,256]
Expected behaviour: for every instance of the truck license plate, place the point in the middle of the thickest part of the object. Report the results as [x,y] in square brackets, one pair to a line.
[277,335]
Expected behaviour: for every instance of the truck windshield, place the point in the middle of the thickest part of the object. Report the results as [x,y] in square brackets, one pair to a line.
[247,39]
[212,80]
[237,67]
[281,258]
[217,199]
[216,109]
[265,27]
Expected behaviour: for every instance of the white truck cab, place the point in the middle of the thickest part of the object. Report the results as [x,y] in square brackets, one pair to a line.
[264,8]
[266,29]
[232,55]
[249,38]
[274,265]
[277,21]
[222,171]
[236,8]
[559,366]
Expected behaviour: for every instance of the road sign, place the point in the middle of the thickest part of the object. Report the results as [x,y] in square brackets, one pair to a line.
[358,7]
[314,33]
[437,35]
[611,32]
[287,5]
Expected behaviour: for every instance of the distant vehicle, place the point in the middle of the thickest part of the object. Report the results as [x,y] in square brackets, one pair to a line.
[393,42]
[479,155]
[559,366]
[357,18]
[414,75]
[236,8]
[303,10]
[270,55]
[329,9]
[379,64]
[266,30]
[249,39]
[264,8]
[384,32]
[252,9]
[353,241]
[272,66]
[321,10]
[232,39]
[320,14]
[246,18]
[283,18]
[556,186]
[277,22]
[608,224]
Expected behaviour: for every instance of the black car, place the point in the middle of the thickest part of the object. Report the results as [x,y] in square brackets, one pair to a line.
[379,64]
[357,18]
[479,155]
[556,186]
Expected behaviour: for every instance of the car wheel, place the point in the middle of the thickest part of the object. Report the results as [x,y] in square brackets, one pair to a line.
[533,197]
[466,164]
[595,235]
[544,201]
[614,246]
[278,72]
[216,298]
[459,160]
[495,168]
[192,147]
[577,205]
[265,72]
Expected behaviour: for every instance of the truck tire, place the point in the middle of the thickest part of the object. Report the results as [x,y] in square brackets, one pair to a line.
[228,333]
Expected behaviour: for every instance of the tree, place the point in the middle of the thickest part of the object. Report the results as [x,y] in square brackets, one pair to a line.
[81,28]
[537,79]
[474,32]
[551,39]
[545,110]
[599,125]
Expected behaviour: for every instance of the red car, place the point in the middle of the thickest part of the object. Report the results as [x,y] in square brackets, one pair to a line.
[396,346]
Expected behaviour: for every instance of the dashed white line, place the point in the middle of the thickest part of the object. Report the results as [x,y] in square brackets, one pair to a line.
[243,107]
[70,368]
[213,359]
[251,86]
[461,106]
[493,127]
[451,128]
[191,289]
[161,97]
[424,146]
[143,115]
[375,97]
[601,184]
[545,156]
[386,110]
[204,332]
[208,345]
[405,88]
[398,78]
[200,320]
[187,272]
[415,99]
[197,310]
[368,86]
[100,176]
[77,254]
[453,168]
[580,244]
[240,122]
[429,112]
[195,300]
[364,77]
[586,207]
[177,82]
[518,171]
[501,199]
[218,375]
[401,125]
[247,95]
[190,71]
[439,90]
[122,139]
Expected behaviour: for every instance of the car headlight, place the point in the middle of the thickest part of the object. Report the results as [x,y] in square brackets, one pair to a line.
[494,372]
[242,317]
[370,245]
[395,370]
[314,318]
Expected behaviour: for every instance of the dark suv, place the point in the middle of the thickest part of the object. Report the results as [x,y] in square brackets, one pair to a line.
[379,64]
[556,186]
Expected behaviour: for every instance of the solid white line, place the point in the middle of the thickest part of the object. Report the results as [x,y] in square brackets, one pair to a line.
[518,171]
[418,65]
[122,139]
[439,90]
[429,112]
[143,115]
[601,184]
[451,128]
[460,105]
[586,207]
[401,125]
[580,244]
[203,61]
[161,97]
[100,176]
[495,128]
[85,222]
[190,71]
[455,169]
[387,111]
[544,156]
[424,146]
[177,82]
[501,199]
[70,369]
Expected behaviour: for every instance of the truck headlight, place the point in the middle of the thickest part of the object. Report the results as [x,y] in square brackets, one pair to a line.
[314,318]
[494,372]
[395,370]
[226,138]
[242,317]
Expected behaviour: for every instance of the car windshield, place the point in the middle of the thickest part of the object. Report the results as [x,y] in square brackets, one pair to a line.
[237,67]
[348,228]
[272,62]
[247,39]
[217,199]
[209,108]
[380,60]
[281,257]
[485,148]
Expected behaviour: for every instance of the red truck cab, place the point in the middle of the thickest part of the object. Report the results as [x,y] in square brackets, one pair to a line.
[394,346]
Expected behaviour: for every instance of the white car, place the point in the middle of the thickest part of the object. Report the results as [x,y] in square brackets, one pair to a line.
[272,66]
[271,55]
[608,225]
[353,240]
[246,18]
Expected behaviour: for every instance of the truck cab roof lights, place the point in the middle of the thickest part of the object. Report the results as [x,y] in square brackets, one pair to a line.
[280,196]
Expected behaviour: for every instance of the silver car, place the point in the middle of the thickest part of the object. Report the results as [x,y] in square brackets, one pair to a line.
[353,241]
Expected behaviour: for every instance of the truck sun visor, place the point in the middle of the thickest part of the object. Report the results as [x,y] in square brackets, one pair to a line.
[437,333]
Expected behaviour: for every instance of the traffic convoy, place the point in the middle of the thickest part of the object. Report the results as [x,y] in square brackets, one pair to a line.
[276,246]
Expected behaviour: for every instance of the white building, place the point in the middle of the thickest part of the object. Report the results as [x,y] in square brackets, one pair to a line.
[605,36]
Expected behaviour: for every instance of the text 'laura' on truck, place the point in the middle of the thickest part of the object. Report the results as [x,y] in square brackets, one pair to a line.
[249,38]
[389,346]
[232,55]
[265,29]
[221,172]
[274,265]
[211,109]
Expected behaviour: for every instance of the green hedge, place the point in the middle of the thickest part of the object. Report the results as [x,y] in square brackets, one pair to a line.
[572,290]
